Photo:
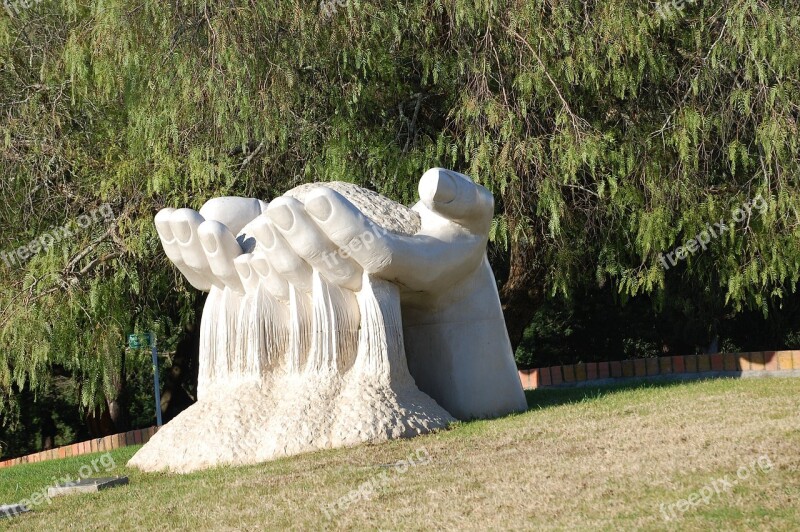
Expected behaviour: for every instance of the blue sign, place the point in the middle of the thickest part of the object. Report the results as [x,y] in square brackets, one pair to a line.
[140,341]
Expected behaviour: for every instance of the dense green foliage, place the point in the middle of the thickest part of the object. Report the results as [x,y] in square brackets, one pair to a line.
[608,135]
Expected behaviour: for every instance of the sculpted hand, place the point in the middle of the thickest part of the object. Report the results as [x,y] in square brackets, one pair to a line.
[455,216]
[202,244]
[456,342]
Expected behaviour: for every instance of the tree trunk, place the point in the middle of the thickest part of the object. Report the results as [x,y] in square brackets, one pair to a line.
[181,378]
[180,383]
[48,430]
[99,423]
[118,408]
[522,293]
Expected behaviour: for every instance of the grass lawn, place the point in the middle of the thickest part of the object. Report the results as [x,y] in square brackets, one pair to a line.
[590,458]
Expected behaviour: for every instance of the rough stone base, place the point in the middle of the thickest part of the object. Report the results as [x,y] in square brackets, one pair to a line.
[256,422]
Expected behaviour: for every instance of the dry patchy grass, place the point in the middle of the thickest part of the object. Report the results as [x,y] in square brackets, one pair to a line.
[592,458]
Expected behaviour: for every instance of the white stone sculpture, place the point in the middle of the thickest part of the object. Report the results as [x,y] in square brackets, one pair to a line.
[336,316]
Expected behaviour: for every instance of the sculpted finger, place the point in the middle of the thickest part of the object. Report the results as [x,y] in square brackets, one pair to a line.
[173,251]
[305,237]
[353,234]
[244,267]
[456,197]
[184,224]
[233,212]
[281,257]
[275,284]
[221,248]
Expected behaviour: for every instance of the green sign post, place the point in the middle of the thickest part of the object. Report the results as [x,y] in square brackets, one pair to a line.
[140,341]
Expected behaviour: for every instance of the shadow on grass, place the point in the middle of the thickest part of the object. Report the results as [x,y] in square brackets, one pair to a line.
[547,397]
